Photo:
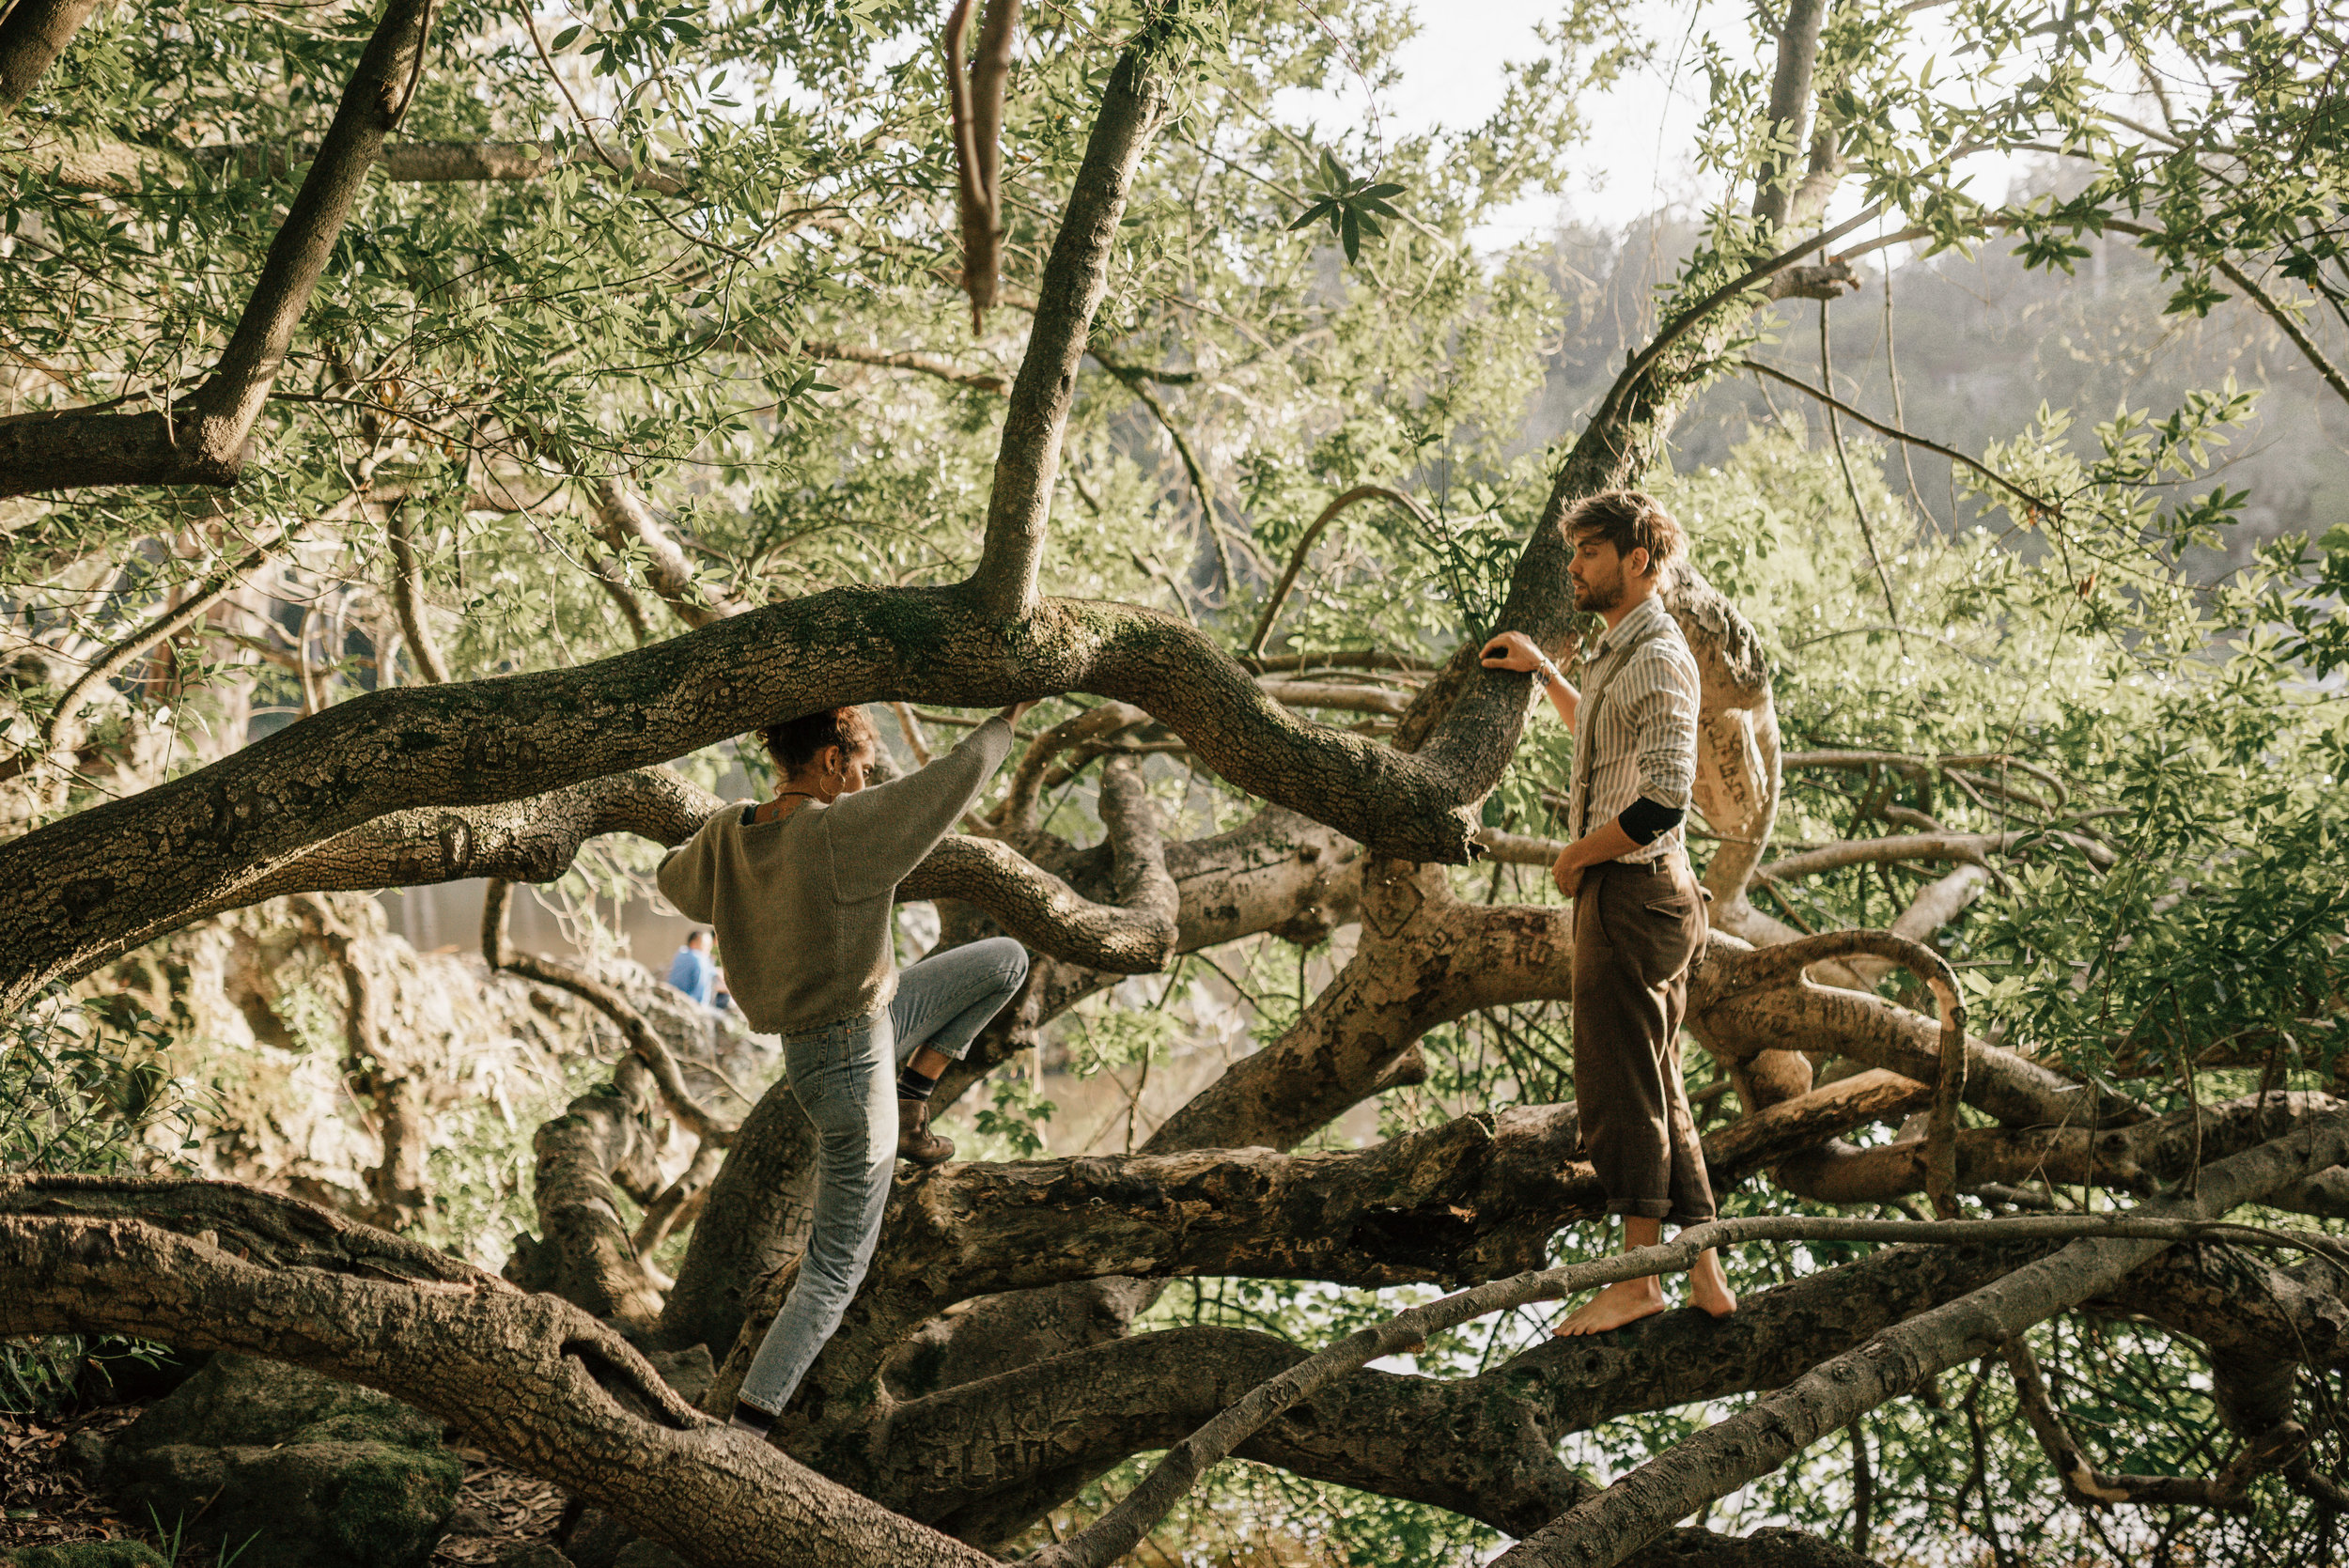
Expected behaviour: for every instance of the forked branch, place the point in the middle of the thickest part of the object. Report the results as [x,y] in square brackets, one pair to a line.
[203,440]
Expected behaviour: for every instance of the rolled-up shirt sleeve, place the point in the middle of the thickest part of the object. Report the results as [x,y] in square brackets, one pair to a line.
[1659,700]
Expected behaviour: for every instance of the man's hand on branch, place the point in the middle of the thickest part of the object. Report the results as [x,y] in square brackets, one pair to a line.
[1011,713]
[1515,650]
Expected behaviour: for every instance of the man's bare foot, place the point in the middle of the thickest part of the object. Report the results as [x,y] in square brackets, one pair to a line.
[1624,1301]
[1708,1287]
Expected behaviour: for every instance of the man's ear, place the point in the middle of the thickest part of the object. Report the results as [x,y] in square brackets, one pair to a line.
[1645,563]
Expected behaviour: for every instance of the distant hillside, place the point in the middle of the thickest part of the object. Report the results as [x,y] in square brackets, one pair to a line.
[1980,344]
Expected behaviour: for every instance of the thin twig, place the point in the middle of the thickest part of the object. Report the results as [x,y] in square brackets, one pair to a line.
[2039,504]
[1851,488]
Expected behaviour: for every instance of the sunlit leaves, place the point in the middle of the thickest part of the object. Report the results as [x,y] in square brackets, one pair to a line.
[1352,206]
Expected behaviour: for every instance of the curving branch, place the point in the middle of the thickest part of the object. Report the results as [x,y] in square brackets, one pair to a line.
[115,873]
[963,1458]
[1304,546]
[2139,1158]
[203,440]
[529,1378]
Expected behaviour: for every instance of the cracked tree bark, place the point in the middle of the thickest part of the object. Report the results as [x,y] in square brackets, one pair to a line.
[529,1378]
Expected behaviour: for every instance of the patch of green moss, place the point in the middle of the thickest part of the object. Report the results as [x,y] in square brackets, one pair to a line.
[86,1554]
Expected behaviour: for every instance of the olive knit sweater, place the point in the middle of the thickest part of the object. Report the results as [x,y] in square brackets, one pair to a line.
[802,906]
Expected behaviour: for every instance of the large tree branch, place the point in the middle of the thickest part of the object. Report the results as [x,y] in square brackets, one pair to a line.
[203,441]
[529,1378]
[1075,275]
[113,876]
[965,1459]
[2137,1158]
[32,34]
[1471,1200]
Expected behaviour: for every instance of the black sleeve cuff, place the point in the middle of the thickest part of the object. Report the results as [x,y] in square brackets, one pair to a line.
[1644,821]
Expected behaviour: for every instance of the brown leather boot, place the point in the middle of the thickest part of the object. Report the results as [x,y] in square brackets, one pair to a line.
[916,1142]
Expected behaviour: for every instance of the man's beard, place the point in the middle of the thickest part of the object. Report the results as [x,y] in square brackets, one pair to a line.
[1597,597]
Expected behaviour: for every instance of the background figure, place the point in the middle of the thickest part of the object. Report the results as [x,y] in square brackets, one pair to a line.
[691,971]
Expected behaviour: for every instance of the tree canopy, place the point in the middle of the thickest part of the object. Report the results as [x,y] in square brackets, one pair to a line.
[429,436]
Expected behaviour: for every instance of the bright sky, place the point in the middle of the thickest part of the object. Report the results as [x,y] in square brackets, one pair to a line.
[1639,136]
[1639,133]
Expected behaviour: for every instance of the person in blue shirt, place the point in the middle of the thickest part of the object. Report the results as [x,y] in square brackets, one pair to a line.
[691,971]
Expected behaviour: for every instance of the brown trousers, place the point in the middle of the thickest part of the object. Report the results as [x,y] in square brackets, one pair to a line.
[1636,928]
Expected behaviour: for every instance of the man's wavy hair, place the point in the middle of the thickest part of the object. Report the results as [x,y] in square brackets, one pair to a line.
[795,742]
[1629,521]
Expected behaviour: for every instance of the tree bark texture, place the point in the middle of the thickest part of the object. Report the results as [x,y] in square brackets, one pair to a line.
[33,33]
[529,1378]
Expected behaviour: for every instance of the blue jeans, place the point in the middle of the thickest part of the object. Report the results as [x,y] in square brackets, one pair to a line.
[844,1076]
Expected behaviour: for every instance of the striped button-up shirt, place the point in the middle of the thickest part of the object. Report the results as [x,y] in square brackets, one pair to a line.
[1635,733]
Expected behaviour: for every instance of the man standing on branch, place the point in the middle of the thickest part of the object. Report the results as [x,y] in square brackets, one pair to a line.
[1639,915]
